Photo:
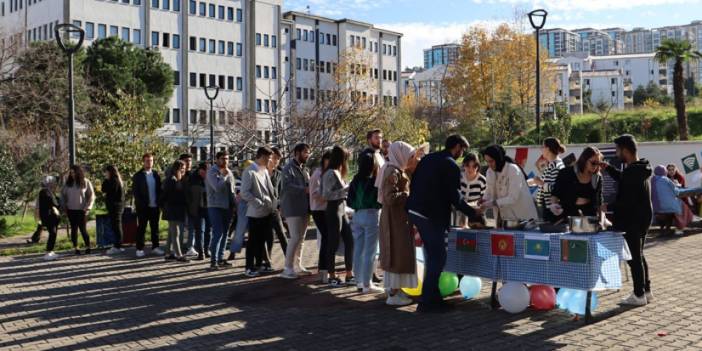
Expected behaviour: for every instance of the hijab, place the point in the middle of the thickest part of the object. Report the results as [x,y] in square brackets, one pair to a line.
[399,154]
[498,153]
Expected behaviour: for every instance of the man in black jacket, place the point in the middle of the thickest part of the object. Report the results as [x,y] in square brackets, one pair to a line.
[633,213]
[146,188]
[433,191]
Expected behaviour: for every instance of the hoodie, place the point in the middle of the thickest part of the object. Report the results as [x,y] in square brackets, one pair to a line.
[633,211]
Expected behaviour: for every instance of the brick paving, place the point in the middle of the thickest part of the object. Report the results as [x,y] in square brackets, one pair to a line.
[120,303]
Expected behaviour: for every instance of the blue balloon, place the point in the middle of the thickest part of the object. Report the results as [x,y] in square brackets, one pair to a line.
[577,300]
[470,286]
[563,297]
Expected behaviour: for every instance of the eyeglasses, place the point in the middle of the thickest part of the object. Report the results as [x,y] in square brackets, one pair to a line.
[594,163]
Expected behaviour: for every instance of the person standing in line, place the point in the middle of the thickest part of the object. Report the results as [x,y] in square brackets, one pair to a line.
[78,198]
[473,184]
[174,209]
[374,138]
[257,190]
[146,189]
[633,213]
[295,206]
[550,150]
[335,190]
[433,190]
[242,222]
[363,199]
[275,171]
[318,206]
[187,160]
[220,194]
[196,199]
[113,188]
[48,212]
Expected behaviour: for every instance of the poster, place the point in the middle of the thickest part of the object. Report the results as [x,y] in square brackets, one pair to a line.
[609,185]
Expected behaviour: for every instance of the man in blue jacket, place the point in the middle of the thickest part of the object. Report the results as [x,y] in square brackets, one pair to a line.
[433,191]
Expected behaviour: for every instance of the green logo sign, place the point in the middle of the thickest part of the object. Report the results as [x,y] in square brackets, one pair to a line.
[690,163]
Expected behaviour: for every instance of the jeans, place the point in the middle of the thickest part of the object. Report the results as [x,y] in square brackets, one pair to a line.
[175,235]
[150,216]
[219,219]
[365,227]
[115,215]
[321,223]
[293,254]
[189,241]
[77,219]
[433,236]
[200,226]
[279,229]
[259,229]
[338,228]
[637,264]
[242,224]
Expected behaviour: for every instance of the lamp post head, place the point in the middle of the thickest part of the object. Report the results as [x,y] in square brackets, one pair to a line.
[537,18]
[211,91]
[69,29]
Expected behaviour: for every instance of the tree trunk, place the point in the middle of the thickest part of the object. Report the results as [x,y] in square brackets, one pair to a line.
[679,94]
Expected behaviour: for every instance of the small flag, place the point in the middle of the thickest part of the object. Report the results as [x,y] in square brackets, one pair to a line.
[690,163]
[502,244]
[467,242]
[537,247]
[574,250]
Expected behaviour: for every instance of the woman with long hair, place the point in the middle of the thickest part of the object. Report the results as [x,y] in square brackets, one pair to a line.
[318,206]
[335,191]
[78,197]
[578,189]
[48,213]
[113,188]
[550,149]
[507,188]
[174,209]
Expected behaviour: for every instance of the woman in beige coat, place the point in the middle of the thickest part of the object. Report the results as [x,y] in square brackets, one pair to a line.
[397,252]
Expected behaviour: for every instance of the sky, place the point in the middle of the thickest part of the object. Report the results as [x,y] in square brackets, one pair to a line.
[430,22]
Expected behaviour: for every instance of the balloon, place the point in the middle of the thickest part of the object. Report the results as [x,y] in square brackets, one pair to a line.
[470,286]
[448,283]
[514,297]
[577,300]
[543,297]
[414,292]
[563,297]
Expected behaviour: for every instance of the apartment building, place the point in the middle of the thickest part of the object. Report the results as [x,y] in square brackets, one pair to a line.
[558,41]
[444,54]
[598,42]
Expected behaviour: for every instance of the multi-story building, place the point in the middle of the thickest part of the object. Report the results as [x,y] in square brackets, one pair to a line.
[426,84]
[638,41]
[597,42]
[261,59]
[444,54]
[558,41]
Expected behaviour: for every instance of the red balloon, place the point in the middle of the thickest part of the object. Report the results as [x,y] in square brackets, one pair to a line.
[543,297]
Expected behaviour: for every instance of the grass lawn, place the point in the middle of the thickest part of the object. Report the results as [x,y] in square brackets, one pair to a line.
[16,225]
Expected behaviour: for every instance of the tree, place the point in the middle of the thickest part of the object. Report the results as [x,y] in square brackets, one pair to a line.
[8,178]
[678,51]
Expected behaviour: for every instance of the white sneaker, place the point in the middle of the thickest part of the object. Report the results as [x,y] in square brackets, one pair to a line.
[634,300]
[288,274]
[114,251]
[373,289]
[303,271]
[140,253]
[50,256]
[649,297]
[191,252]
[398,300]
[157,251]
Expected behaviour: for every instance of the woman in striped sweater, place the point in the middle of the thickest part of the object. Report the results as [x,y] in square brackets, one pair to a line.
[550,150]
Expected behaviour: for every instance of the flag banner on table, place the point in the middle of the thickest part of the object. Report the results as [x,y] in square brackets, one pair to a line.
[502,244]
[537,247]
[467,242]
[690,163]
[574,250]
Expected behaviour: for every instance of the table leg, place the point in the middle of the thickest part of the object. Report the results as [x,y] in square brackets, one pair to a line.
[588,313]
[493,297]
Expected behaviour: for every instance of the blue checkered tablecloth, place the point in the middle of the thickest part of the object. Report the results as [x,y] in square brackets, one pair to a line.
[601,271]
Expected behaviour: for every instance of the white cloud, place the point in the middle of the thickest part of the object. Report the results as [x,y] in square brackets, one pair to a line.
[334,8]
[589,5]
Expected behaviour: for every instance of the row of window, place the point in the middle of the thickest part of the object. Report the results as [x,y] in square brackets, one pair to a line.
[266,41]
[308,35]
[266,106]
[123,33]
[161,4]
[166,43]
[215,11]
[266,72]
[361,43]
[44,32]
[303,64]
[223,82]
[213,46]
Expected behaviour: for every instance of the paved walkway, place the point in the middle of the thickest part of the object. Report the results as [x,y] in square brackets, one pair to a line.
[120,303]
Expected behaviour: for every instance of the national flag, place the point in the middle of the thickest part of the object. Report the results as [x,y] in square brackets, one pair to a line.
[574,250]
[502,244]
[537,247]
[467,242]
[690,163]
[521,155]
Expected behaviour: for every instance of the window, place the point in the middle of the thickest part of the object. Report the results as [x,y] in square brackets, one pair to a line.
[136,37]
[329,67]
[193,43]
[154,4]
[614,80]
[238,49]
[102,31]
[274,41]
[193,79]
[176,5]
[265,40]
[220,12]
[176,41]
[114,31]
[166,5]
[167,117]
[212,10]
[311,94]
[274,73]
[239,15]
[176,78]
[298,63]
[220,80]
[364,42]
[305,35]
[230,14]
[258,38]
[274,106]
[329,39]
[221,118]
[258,71]
[321,38]
[266,72]
[154,38]
[193,7]
[203,117]
[266,106]
[334,39]
[230,83]
[176,115]
[166,40]
[203,80]
[298,93]
[212,79]
[212,46]
[305,94]
[125,33]
[220,47]
[352,41]
[385,49]
[298,33]
[230,48]
[239,84]
[305,65]
[193,116]
[312,36]
[258,105]
[203,9]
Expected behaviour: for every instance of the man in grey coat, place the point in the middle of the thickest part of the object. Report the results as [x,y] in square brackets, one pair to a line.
[295,206]
[219,184]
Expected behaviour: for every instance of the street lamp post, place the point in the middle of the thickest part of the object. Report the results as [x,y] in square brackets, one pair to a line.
[211,93]
[537,18]
[69,29]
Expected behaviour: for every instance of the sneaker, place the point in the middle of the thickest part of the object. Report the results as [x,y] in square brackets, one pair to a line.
[634,300]
[398,300]
[140,253]
[213,267]
[169,257]
[303,271]
[224,264]
[649,297]
[336,283]
[207,254]
[200,258]
[350,280]
[373,289]
[157,251]
[50,256]
[251,273]
[288,274]
[191,252]
[359,287]
[267,269]
[114,251]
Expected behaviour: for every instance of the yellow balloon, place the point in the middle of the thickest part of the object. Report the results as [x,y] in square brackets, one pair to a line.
[414,291]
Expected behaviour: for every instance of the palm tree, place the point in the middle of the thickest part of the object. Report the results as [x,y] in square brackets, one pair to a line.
[680,51]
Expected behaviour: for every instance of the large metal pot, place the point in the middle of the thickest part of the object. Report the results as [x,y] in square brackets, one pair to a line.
[512,224]
[584,224]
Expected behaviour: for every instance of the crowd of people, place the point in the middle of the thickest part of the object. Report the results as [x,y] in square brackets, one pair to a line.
[398,192]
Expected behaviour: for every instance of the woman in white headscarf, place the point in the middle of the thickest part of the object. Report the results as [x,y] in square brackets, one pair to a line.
[397,255]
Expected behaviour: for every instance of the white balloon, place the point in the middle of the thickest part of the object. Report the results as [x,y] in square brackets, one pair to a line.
[514,297]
